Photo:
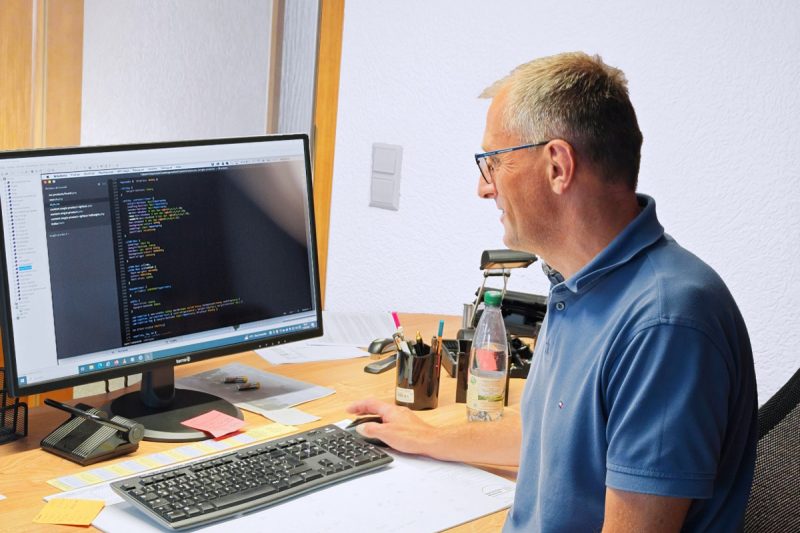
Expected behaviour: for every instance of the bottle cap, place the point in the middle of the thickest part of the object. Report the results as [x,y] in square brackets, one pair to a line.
[492,298]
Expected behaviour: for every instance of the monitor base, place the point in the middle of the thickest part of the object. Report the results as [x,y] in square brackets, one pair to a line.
[163,424]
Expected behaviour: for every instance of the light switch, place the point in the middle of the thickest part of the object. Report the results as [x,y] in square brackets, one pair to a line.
[385,180]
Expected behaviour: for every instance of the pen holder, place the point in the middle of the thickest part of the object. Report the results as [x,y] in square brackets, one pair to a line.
[418,379]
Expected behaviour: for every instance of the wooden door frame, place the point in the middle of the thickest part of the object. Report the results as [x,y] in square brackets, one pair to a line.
[326,106]
[41,46]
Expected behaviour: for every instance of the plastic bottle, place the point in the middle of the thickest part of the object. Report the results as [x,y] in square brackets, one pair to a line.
[488,363]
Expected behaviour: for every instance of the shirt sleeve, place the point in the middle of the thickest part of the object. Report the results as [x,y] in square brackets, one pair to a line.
[666,398]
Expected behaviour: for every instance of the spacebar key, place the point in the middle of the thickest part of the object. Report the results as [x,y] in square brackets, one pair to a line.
[244,496]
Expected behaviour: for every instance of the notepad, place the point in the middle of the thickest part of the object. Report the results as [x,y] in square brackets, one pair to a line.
[69,512]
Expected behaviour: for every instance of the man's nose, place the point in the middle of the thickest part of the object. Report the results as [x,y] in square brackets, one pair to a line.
[486,190]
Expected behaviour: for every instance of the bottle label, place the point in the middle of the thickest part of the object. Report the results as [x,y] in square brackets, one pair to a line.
[404,395]
[485,394]
[487,359]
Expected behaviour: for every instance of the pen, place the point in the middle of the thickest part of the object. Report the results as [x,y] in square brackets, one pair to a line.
[418,347]
[439,346]
[86,415]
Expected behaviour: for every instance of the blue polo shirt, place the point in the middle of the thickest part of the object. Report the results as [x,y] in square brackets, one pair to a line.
[642,380]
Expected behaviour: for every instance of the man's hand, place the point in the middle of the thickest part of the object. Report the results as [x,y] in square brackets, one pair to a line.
[401,429]
[476,442]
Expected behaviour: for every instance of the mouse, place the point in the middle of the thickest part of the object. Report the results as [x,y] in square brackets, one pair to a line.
[363,420]
[381,346]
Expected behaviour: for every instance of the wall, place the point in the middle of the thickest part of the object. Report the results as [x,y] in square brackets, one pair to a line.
[158,71]
[715,86]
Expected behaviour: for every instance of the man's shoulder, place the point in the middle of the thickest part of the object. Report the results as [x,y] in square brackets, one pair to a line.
[684,276]
[671,285]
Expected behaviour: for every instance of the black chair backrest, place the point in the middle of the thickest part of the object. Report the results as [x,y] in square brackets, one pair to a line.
[774,504]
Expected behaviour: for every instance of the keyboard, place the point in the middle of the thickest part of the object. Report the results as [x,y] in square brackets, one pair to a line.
[251,477]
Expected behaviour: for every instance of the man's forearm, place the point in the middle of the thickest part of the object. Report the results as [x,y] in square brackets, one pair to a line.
[469,442]
[477,442]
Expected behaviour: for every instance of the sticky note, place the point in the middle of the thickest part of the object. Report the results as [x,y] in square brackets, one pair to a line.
[69,512]
[215,423]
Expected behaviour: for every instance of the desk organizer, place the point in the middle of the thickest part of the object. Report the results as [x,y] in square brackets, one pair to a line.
[418,379]
[13,415]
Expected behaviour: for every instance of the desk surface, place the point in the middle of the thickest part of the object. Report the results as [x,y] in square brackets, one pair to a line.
[25,468]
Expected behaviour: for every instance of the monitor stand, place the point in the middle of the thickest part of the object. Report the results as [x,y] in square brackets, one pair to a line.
[161,408]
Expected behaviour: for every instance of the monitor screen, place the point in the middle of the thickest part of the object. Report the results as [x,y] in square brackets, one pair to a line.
[124,259]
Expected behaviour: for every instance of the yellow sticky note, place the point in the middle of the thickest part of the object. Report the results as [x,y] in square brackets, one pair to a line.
[69,512]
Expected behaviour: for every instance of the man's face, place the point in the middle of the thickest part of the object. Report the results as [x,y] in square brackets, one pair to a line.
[519,185]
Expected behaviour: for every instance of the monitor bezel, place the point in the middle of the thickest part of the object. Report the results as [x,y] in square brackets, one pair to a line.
[12,385]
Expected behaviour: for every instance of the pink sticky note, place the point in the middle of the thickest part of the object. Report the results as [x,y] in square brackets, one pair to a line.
[216,423]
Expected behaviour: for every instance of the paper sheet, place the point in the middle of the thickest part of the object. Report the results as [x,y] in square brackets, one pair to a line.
[308,353]
[276,392]
[354,329]
[345,336]
[69,512]
[289,416]
[410,494]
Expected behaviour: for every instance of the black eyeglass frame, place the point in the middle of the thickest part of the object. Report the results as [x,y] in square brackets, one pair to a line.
[486,155]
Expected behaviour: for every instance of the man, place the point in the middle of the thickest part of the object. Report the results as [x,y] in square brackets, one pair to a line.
[639,412]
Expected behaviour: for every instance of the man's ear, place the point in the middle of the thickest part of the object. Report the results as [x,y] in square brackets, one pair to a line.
[561,165]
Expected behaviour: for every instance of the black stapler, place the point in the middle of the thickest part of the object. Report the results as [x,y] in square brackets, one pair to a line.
[89,436]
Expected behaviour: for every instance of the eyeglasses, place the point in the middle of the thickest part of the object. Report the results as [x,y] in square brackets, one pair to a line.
[484,160]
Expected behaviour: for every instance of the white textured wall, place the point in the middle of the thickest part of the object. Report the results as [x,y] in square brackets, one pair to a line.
[716,88]
[158,70]
[298,66]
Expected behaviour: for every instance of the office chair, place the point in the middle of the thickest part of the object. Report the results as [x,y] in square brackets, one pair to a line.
[774,504]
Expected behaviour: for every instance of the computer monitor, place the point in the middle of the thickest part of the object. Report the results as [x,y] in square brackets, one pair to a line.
[118,260]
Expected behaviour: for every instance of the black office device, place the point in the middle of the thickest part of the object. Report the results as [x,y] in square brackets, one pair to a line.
[252,477]
[13,415]
[118,260]
[381,365]
[89,436]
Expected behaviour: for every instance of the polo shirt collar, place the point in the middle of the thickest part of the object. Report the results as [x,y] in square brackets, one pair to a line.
[643,231]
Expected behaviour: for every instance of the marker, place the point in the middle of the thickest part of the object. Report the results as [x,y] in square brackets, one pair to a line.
[397,324]
[397,336]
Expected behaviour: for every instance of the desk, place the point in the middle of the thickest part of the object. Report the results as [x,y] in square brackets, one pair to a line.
[25,468]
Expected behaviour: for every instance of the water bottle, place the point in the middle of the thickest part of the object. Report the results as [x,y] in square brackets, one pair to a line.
[488,363]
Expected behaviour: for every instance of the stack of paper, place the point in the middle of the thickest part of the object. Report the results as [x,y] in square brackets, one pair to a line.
[346,336]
